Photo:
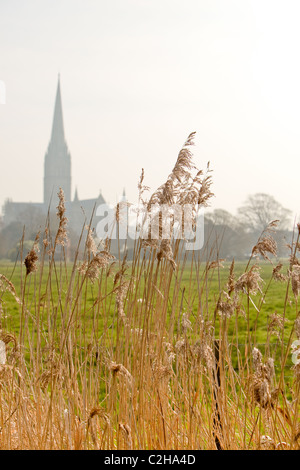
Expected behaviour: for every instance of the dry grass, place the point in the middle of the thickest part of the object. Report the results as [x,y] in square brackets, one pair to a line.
[148,363]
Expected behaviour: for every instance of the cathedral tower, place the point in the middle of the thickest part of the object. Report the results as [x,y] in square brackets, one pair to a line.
[57,170]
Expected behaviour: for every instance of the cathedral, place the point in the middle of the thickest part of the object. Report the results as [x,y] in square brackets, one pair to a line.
[57,174]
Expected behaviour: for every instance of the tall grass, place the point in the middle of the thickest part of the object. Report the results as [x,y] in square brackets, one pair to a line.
[114,354]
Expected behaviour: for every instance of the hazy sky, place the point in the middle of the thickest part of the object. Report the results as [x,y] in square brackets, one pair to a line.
[137,76]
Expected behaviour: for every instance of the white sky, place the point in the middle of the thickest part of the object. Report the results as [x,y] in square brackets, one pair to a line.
[137,76]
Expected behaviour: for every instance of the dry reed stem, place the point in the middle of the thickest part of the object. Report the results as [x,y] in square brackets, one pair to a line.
[81,379]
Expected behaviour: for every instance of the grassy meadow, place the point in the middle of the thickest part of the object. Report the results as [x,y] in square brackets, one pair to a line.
[162,351]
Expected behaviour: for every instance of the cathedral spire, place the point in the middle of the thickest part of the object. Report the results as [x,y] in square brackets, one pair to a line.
[58,134]
[57,166]
[123,198]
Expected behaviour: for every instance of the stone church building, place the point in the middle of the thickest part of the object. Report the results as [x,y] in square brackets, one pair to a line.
[57,174]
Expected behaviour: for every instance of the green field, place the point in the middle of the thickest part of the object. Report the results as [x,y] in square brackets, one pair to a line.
[124,356]
[200,293]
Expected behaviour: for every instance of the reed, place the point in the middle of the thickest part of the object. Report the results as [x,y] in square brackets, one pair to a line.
[116,354]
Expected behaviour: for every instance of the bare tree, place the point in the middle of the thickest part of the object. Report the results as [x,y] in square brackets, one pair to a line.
[260,209]
[226,232]
[221,217]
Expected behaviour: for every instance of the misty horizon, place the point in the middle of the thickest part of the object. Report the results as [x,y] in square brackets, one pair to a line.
[137,78]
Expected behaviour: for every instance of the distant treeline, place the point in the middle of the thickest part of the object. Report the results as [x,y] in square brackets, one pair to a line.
[225,235]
